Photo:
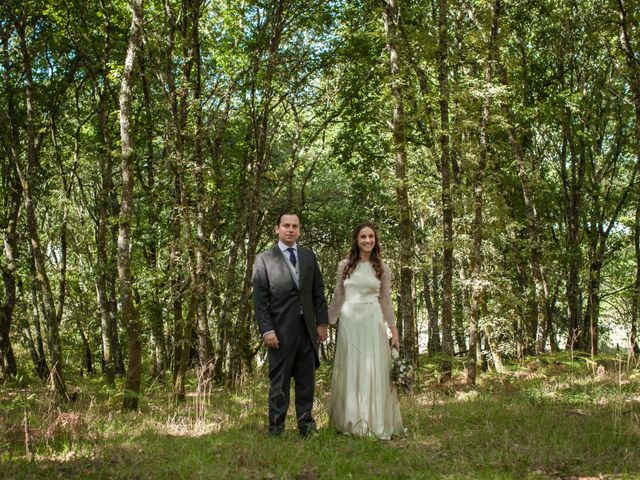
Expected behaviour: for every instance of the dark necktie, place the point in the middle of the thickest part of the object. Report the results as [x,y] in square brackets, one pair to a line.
[292,256]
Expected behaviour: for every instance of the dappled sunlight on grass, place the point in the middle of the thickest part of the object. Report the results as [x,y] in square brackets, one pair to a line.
[559,421]
[181,426]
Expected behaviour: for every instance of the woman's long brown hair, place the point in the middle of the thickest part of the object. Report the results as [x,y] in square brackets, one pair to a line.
[354,254]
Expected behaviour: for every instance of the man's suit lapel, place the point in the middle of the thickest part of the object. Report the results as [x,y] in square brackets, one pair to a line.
[302,264]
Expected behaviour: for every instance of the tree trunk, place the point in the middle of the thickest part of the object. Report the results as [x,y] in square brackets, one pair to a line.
[240,347]
[156,318]
[551,330]
[180,107]
[108,207]
[631,58]
[224,325]
[496,357]
[10,240]
[176,289]
[460,309]
[102,262]
[205,346]
[185,328]
[633,333]
[87,355]
[572,183]
[26,177]
[477,284]
[535,248]
[182,362]
[575,252]
[156,321]
[598,232]
[39,363]
[447,203]
[127,307]
[36,346]
[539,280]
[7,357]
[262,95]
[433,331]
[526,323]
[593,301]
[391,16]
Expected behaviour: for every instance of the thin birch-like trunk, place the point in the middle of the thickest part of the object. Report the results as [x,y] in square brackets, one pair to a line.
[391,17]
[26,177]
[128,309]
[447,202]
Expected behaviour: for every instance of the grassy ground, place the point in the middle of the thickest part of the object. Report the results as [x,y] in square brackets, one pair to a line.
[549,419]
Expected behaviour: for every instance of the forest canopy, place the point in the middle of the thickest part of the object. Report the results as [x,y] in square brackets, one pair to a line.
[147,147]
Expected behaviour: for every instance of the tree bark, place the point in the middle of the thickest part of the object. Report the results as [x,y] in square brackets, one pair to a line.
[631,58]
[535,247]
[102,254]
[205,346]
[263,98]
[461,303]
[87,355]
[179,106]
[477,284]
[39,362]
[224,326]
[107,207]
[447,203]
[176,289]
[36,346]
[391,16]
[185,349]
[155,310]
[26,176]
[572,186]
[9,225]
[127,307]
[540,282]
[605,209]
[592,318]
[634,349]
[433,330]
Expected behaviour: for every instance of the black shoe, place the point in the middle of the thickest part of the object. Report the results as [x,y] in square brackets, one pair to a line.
[307,425]
[308,430]
[275,432]
[310,434]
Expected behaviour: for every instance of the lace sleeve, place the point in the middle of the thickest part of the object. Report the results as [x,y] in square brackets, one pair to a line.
[338,295]
[385,296]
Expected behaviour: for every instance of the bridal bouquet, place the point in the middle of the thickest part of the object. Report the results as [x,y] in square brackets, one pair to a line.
[403,375]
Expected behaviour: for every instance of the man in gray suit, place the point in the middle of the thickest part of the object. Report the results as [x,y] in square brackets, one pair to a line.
[291,311]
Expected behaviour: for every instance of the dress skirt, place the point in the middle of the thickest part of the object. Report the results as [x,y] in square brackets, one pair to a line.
[363,399]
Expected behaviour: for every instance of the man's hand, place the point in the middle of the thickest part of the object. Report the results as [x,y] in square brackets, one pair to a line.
[322,333]
[271,340]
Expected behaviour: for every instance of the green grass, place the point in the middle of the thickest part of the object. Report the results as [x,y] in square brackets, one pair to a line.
[550,419]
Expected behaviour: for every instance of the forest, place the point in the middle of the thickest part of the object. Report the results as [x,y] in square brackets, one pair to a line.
[148,146]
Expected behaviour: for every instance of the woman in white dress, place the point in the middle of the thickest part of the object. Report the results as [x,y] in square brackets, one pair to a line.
[363,399]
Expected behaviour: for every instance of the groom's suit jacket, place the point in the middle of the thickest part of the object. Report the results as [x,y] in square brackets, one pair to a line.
[279,300]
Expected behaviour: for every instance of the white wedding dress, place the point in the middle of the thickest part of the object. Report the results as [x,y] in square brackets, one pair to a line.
[363,399]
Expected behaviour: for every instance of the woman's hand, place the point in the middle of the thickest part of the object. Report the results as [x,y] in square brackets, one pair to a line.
[321,330]
[395,341]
